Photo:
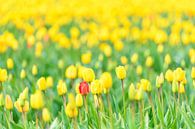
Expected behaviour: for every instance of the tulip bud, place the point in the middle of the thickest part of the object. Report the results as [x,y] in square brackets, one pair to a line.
[134,58]
[49,82]
[106,80]
[96,87]
[79,100]
[139,70]
[36,100]
[3,75]
[120,72]
[1,100]
[8,102]
[34,70]
[139,94]
[193,73]
[60,64]
[71,72]
[71,111]
[88,75]
[61,87]
[179,75]
[124,60]
[86,58]
[149,61]
[46,115]
[132,92]
[42,83]
[174,86]
[145,84]
[181,88]
[84,88]
[159,80]
[169,75]
[23,74]
[10,63]
[167,59]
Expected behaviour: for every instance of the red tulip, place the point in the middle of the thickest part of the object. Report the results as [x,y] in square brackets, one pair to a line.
[84,88]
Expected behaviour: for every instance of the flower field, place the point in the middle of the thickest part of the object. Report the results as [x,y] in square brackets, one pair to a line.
[97,64]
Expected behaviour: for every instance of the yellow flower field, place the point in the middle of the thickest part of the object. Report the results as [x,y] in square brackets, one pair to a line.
[97,64]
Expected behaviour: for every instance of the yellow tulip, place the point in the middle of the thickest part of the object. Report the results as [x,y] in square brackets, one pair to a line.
[36,100]
[120,72]
[145,85]
[179,75]
[167,59]
[70,111]
[139,94]
[181,89]
[1,100]
[61,87]
[139,70]
[46,115]
[42,84]
[22,108]
[34,70]
[134,58]
[86,58]
[71,72]
[169,75]
[60,64]
[149,61]
[96,87]
[159,80]
[88,75]
[10,63]
[77,88]
[49,82]
[79,100]
[124,60]
[106,80]
[8,103]
[132,92]
[23,74]
[3,75]
[193,73]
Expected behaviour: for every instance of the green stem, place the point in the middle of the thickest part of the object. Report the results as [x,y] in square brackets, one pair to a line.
[110,110]
[124,104]
[141,114]
[153,110]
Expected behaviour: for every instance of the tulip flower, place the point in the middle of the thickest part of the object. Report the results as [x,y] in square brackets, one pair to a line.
[86,57]
[46,115]
[106,80]
[49,82]
[149,61]
[159,80]
[120,72]
[8,103]
[42,84]
[71,72]
[62,89]
[23,74]
[169,75]
[34,70]
[36,100]
[96,87]
[193,73]
[88,75]
[132,92]
[10,63]
[79,100]
[134,58]
[3,75]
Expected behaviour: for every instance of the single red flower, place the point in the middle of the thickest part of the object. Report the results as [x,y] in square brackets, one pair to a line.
[84,88]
